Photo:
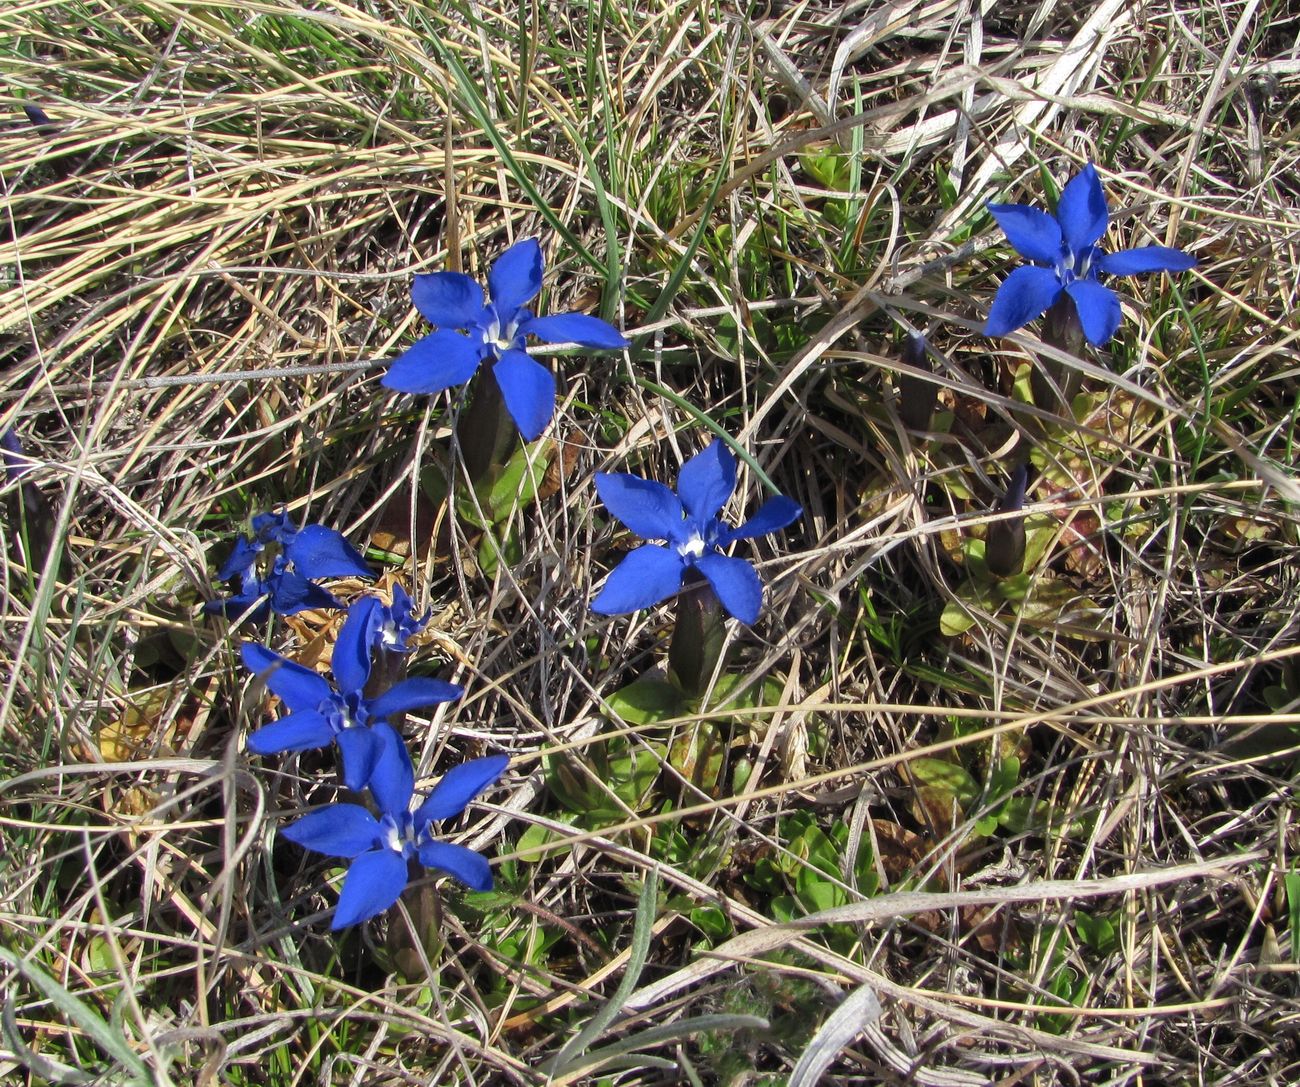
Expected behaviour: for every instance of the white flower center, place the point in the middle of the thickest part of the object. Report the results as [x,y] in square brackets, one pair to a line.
[393,839]
[692,548]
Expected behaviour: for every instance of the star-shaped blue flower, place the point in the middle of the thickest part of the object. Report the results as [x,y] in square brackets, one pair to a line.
[696,537]
[1066,258]
[312,551]
[470,329]
[320,715]
[380,849]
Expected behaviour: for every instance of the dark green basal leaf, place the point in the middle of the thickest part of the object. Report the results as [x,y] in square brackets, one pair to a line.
[648,700]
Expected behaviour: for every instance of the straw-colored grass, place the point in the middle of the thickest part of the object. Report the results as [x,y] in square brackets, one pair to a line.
[205,263]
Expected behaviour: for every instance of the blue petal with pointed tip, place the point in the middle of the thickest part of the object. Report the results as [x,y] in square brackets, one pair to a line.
[351,658]
[706,481]
[516,277]
[305,730]
[1082,211]
[772,516]
[458,787]
[241,559]
[576,328]
[736,583]
[393,780]
[1145,260]
[1032,233]
[413,693]
[339,830]
[528,389]
[317,551]
[1098,308]
[298,687]
[447,299]
[1024,294]
[466,865]
[436,362]
[646,576]
[645,506]
[374,882]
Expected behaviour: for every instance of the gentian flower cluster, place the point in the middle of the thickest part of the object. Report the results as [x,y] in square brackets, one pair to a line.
[372,754]
[321,714]
[380,848]
[695,536]
[1067,260]
[298,555]
[471,329]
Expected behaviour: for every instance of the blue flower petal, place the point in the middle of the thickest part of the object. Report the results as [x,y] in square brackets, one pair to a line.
[772,516]
[393,781]
[1081,210]
[736,583]
[574,328]
[338,830]
[1146,259]
[292,593]
[317,551]
[516,277]
[438,361]
[232,607]
[646,576]
[359,750]
[1024,294]
[411,694]
[1032,233]
[457,787]
[241,559]
[273,527]
[447,299]
[706,481]
[298,687]
[1099,310]
[351,658]
[466,865]
[306,730]
[528,388]
[374,882]
[645,506]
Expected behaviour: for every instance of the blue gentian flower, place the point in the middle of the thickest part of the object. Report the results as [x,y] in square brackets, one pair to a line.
[381,849]
[470,330]
[371,624]
[312,551]
[319,714]
[695,535]
[1066,258]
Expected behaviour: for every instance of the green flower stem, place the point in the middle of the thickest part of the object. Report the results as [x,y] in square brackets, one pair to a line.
[1061,329]
[696,645]
[425,932]
[484,430]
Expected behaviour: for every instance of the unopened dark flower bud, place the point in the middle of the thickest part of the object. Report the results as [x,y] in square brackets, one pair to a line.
[916,396]
[1004,549]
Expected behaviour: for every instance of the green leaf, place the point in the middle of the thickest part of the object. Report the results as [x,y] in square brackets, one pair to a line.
[1291,882]
[518,482]
[1097,932]
[946,777]
[646,701]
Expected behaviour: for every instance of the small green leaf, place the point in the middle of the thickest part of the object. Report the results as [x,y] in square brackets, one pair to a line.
[1291,882]
[1097,932]
[946,777]
[646,701]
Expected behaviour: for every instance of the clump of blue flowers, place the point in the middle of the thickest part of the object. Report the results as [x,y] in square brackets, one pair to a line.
[297,556]
[321,714]
[1066,260]
[471,329]
[695,535]
[381,848]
